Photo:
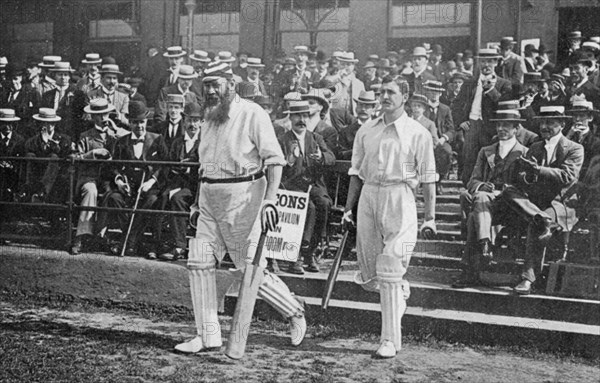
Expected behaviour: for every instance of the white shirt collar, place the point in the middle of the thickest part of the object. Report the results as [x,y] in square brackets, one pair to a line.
[300,136]
[9,135]
[553,141]
[504,147]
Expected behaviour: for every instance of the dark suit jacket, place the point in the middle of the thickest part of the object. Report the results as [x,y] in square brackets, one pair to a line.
[526,137]
[70,109]
[341,118]
[304,171]
[489,101]
[482,172]
[346,141]
[61,146]
[183,177]
[589,90]
[162,128]
[25,105]
[443,121]
[160,109]
[416,83]
[138,97]
[329,134]
[154,150]
[511,69]
[15,147]
[151,75]
[555,179]
[88,141]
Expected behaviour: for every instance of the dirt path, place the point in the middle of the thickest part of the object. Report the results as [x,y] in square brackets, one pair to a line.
[42,344]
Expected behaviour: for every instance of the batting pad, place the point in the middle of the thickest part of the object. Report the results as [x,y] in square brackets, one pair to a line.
[203,287]
[392,296]
[278,295]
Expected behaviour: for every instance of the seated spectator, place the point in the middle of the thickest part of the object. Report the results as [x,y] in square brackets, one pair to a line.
[12,144]
[185,77]
[131,180]
[182,182]
[284,124]
[366,103]
[21,97]
[95,143]
[550,168]
[441,115]
[495,168]
[319,106]
[581,132]
[307,155]
[91,77]
[172,128]
[524,136]
[42,179]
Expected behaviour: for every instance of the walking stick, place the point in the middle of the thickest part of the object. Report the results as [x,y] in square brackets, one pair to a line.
[135,206]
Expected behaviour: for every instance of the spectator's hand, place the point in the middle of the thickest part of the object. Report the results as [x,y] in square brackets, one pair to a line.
[122,186]
[269,215]
[317,156]
[530,165]
[148,185]
[428,230]
[489,83]
[465,126]
[348,221]
[45,136]
[442,141]
[487,187]
[100,153]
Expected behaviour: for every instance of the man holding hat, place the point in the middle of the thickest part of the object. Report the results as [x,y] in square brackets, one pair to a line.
[475,105]
[582,131]
[173,126]
[392,154]
[95,143]
[550,168]
[237,146]
[531,54]
[66,99]
[12,144]
[496,167]
[307,155]
[41,178]
[580,83]
[182,182]
[183,87]
[91,76]
[128,180]
[109,90]
[511,66]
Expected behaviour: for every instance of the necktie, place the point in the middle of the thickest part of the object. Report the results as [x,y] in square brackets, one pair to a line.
[137,141]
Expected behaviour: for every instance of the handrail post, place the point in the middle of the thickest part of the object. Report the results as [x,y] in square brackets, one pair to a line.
[70,202]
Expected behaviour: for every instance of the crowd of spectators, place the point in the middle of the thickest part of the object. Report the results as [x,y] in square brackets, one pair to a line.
[520,129]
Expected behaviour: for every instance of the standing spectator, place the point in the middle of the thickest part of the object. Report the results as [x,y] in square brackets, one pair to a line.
[366,103]
[151,74]
[387,212]
[185,78]
[580,84]
[133,90]
[422,73]
[531,55]
[44,82]
[21,97]
[511,66]
[254,66]
[109,90]
[12,144]
[370,75]
[175,55]
[182,182]
[319,106]
[581,131]
[438,67]
[66,100]
[91,78]
[349,86]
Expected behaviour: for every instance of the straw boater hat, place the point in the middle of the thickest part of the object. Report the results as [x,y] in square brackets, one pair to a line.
[366,97]
[62,66]
[217,70]
[575,35]
[46,115]
[347,57]
[488,53]
[554,112]
[510,105]
[507,42]
[321,95]
[110,69]
[48,61]
[99,106]
[8,115]
[580,106]
[301,49]
[186,72]
[434,86]
[225,57]
[175,99]
[175,51]
[299,107]
[137,111]
[255,62]
[91,58]
[200,55]
[507,115]
[3,62]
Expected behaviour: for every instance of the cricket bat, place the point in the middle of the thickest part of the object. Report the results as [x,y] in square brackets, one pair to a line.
[242,318]
[333,273]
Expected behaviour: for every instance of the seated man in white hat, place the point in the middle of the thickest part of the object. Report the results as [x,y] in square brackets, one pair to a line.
[41,177]
[183,86]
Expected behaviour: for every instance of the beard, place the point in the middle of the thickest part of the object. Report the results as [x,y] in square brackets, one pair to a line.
[216,108]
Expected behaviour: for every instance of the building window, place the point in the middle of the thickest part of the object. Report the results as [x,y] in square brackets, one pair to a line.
[116,19]
[216,25]
[322,24]
[430,19]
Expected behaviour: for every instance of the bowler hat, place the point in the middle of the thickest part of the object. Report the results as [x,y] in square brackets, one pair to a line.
[321,57]
[437,49]
[99,106]
[137,111]
[369,64]
[175,51]
[193,109]
[530,48]
[507,42]
[8,115]
[373,58]
[46,115]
